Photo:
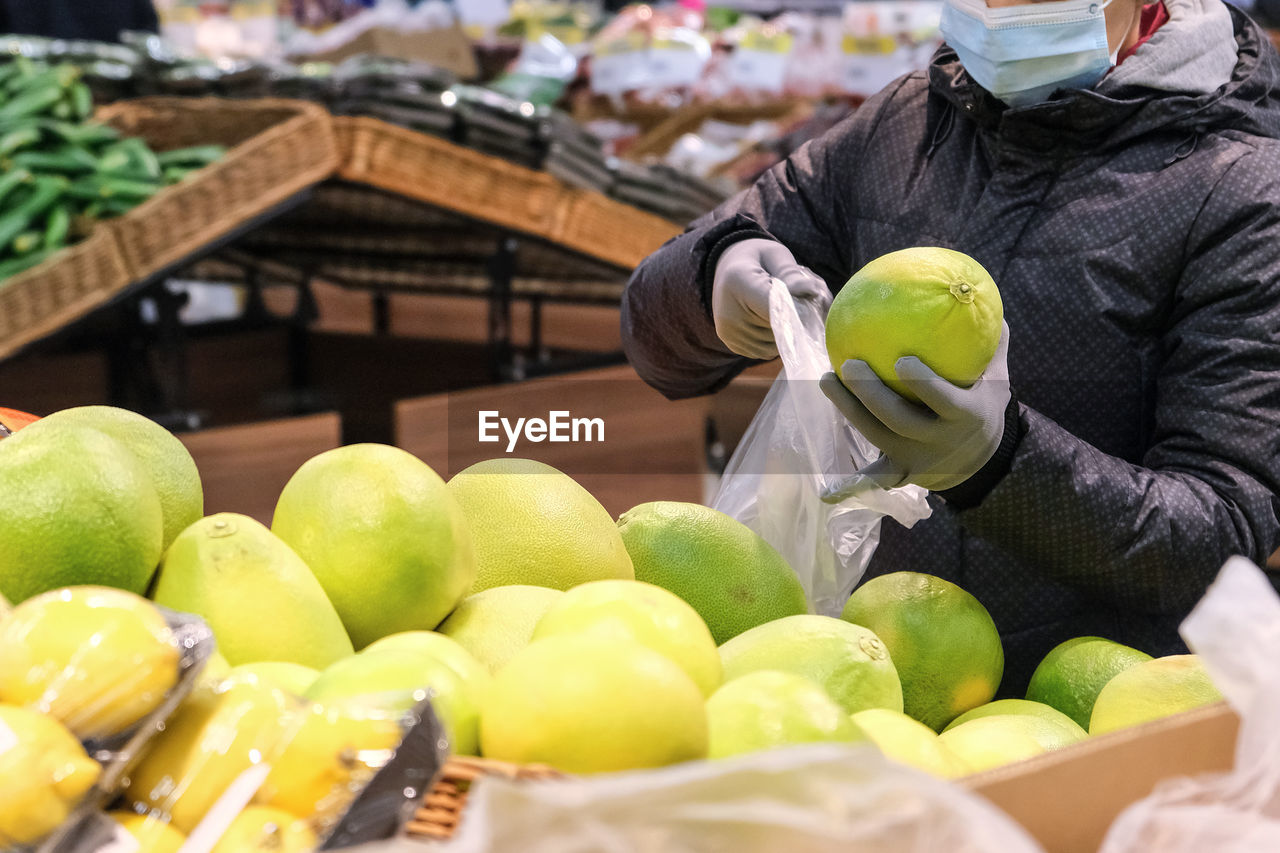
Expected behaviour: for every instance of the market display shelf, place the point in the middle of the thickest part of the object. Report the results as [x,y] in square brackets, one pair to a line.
[494,191]
[553,241]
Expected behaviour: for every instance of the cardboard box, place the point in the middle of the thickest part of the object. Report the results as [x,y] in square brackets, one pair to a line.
[1067,800]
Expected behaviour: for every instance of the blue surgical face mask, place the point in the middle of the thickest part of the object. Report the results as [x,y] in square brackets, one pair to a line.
[1023,54]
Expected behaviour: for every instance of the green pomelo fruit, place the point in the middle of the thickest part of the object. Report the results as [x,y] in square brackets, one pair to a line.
[991,742]
[1004,707]
[943,643]
[396,680]
[80,510]
[1151,690]
[767,709]
[440,647]
[293,678]
[936,304]
[723,569]
[168,462]
[1074,672]
[848,661]
[910,742]
[257,595]
[535,525]
[495,624]
[383,535]
[586,704]
[641,612]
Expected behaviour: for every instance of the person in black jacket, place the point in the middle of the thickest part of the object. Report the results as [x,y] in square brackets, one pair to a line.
[94,20]
[1131,218]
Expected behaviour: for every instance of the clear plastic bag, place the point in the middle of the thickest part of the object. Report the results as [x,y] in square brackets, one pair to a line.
[815,798]
[797,445]
[1236,631]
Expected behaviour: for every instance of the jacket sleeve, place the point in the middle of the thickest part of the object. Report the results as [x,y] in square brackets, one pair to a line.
[667,328]
[1151,536]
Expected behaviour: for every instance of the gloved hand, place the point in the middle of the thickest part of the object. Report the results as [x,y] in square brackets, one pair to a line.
[740,294]
[936,447]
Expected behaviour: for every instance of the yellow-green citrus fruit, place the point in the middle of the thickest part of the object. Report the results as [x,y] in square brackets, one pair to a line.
[168,462]
[936,304]
[589,705]
[942,641]
[79,508]
[44,773]
[495,624]
[328,759]
[768,709]
[215,736]
[292,678]
[259,597]
[1050,732]
[263,829]
[383,535]
[151,833]
[397,679]
[443,648]
[847,660]
[535,525]
[1151,690]
[991,742]
[94,658]
[1054,729]
[910,742]
[647,614]
[1074,672]
[5,606]
[731,576]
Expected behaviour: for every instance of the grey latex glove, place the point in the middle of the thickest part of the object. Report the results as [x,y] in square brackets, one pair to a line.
[740,294]
[936,447]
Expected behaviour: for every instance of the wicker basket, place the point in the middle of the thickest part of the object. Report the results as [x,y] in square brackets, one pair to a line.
[437,172]
[277,149]
[441,811]
[609,230]
[69,284]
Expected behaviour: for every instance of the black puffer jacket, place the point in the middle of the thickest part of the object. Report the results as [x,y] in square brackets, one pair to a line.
[1135,237]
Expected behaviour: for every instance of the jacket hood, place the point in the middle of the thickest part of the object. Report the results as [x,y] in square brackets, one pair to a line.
[1117,111]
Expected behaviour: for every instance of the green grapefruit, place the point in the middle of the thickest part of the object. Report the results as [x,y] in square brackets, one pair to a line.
[1151,690]
[586,704]
[910,742]
[767,709]
[942,641]
[535,525]
[936,304]
[1074,672]
[168,462]
[641,612]
[382,534]
[79,509]
[496,623]
[848,661]
[991,742]
[732,577]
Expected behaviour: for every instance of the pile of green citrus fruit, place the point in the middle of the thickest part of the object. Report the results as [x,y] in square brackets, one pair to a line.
[544,631]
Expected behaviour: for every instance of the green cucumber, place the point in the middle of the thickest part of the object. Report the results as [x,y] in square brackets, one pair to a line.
[88,134]
[67,160]
[13,179]
[141,155]
[19,137]
[81,101]
[46,193]
[33,101]
[194,157]
[106,186]
[57,227]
